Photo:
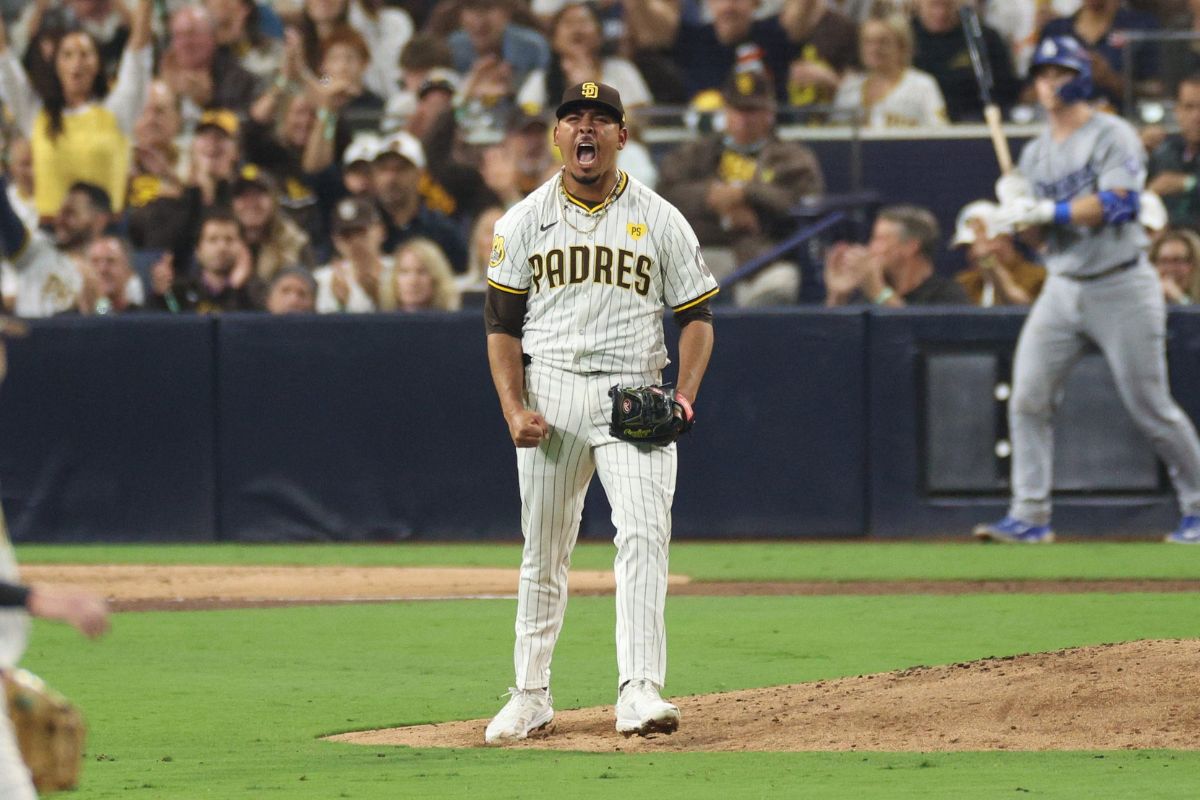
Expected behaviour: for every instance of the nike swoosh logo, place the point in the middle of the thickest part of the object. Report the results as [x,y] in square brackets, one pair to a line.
[551,225]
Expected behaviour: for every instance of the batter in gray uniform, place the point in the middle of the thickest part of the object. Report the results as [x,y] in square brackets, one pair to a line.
[1079,184]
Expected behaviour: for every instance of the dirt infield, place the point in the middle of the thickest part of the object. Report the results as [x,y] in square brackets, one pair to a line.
[1133,695]
[141,587]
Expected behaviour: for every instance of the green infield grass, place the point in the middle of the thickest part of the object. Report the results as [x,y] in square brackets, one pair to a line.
[230,704]
[749,561]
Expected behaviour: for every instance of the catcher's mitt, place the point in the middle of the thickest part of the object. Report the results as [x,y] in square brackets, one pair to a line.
[648,415]
[50,731]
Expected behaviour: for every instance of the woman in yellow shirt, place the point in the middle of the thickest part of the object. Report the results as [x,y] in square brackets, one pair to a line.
[80,131]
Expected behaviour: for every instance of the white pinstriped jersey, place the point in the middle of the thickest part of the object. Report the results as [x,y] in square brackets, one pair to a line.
[597,284]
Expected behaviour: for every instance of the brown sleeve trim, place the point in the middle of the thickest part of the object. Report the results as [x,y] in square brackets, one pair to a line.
[696,301]
[504,310]
[504,288]
[701,312]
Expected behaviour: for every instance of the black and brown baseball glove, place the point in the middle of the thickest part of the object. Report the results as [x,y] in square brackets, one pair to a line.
[648,414]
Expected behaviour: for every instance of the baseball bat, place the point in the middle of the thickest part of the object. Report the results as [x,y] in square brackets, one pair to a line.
[973,32]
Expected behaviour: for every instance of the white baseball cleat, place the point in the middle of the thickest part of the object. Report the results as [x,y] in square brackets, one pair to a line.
[527,711]
[641,710]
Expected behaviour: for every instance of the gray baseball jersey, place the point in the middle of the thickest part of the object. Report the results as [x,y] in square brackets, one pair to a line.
[1104,154]
[1086,299]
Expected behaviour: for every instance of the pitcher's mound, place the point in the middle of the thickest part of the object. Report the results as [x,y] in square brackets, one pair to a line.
[1143,694]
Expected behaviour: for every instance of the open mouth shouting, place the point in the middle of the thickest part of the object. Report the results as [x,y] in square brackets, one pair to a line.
[587,153]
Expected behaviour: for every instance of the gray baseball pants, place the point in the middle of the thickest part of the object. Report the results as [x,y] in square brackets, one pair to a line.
[1125,316]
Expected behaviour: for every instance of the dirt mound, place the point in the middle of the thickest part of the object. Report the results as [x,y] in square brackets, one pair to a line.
[1143,694]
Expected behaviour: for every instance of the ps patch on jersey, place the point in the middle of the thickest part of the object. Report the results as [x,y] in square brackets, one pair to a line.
[497,251]
[637,230]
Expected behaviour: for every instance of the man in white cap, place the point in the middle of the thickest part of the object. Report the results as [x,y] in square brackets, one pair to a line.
[396,175]
[356,163]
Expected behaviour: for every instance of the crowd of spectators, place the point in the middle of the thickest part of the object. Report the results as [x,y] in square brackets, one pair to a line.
[348,156]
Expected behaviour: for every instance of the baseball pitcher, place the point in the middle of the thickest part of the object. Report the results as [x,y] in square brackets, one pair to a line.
[580,271]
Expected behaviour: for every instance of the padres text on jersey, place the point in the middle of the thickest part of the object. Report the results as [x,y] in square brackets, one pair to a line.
[603,278]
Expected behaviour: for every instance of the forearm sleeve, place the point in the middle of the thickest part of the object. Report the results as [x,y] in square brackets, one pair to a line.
[504,312]
[13,595]
[697,313]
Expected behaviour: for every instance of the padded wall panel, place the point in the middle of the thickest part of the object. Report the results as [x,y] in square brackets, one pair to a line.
[107,430]
[361,428]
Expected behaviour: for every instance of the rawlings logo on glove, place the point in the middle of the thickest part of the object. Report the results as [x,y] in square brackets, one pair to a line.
[649,414]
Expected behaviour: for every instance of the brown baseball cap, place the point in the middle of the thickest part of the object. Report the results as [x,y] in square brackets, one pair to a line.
[252,176]
[354,213]
[592,93]
[749,90]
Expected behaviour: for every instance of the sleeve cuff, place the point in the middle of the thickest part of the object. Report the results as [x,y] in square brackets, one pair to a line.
[1062,212]
[696,301]
[504,288]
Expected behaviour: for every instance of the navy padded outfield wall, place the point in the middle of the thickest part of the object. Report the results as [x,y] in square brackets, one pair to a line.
[375,428]
[811,423]
[386,428]
[779,444]
[107,430]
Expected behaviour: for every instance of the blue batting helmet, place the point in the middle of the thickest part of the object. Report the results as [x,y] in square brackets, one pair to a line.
[1066,51]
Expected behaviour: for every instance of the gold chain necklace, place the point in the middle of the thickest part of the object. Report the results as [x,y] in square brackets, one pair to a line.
[597,215]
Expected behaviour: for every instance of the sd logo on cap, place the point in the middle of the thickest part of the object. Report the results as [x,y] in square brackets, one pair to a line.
[595,95]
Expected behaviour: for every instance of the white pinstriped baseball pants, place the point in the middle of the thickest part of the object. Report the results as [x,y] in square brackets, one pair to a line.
[15,781]
[640,484]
